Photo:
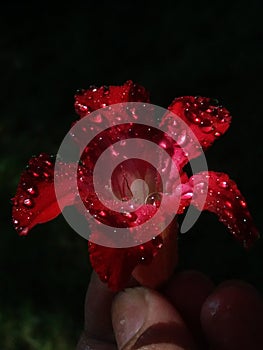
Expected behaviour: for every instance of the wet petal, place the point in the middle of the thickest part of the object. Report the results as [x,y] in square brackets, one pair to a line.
[152,262]
[225,200]
[115,265]
[35,200]
[87,101]
[205,118]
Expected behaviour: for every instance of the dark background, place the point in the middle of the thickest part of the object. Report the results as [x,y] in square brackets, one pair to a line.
[178,48]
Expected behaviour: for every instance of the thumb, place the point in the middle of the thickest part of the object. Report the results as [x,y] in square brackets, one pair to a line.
[142,317]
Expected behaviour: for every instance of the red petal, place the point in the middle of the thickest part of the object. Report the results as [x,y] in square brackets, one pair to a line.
[225,200]
[206,119]
[115,265]
[35,200]
[94,98]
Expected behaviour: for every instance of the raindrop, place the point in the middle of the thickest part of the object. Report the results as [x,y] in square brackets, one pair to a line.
[187,195]
[163,144]
[223,184]
[46,175]
[15,202]
[243,204]
[154,199]
[181,138]
[23,231]
[16,222]
[131,216]
[28,203]
[228,213]
[48,163]
[207,126]
[228,204]
[32,191]
[201,187]
[157,241]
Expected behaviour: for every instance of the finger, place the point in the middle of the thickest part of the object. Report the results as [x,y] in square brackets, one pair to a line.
[98,332]
[187,291]
[232,317]
[143,318]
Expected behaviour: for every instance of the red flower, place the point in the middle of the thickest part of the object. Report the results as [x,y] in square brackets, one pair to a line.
[151,262]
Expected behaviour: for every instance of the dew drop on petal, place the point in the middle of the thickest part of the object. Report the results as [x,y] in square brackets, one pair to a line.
[187,195]
[29,203]
[228,204]
[228,213]
[207,126]
[131,216]
[223,184]
[32,191]
[243,204]
[23,231]
[181,138]
[154,199]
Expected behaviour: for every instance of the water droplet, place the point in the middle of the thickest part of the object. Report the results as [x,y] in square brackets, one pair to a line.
[157,241]
[105,278]
[46,175]
[181,138]
[23,231]
[97,118]
[223,184]
[28,203]
[102,213]
[228,213]
[16,222]
[228,204]
[32,191]
[15,202]
[201,187]
[207,126]
[131,216]
[187,195]
[48,163]
[243,204]
[154,199]
[217,134]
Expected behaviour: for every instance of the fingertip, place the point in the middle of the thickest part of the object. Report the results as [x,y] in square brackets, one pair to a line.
[142,317]
[232,317]
[187,291]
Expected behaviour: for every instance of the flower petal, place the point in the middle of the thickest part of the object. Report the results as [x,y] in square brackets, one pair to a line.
[115,265]
[35,200]
[87,101]
[205,118]
[225,200]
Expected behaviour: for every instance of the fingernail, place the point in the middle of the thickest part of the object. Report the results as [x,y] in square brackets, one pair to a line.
[129,312]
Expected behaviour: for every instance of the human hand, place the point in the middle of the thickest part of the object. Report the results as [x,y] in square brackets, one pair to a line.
[189,313]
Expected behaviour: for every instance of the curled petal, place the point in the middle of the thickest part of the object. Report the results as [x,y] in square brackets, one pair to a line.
[35,200]
[205,118]
[115,265]
[225,200]
[87,101]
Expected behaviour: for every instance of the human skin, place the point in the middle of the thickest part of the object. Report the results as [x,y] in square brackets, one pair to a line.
[188,313]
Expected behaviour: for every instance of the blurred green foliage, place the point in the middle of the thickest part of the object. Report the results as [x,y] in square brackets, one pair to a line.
[212,49]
